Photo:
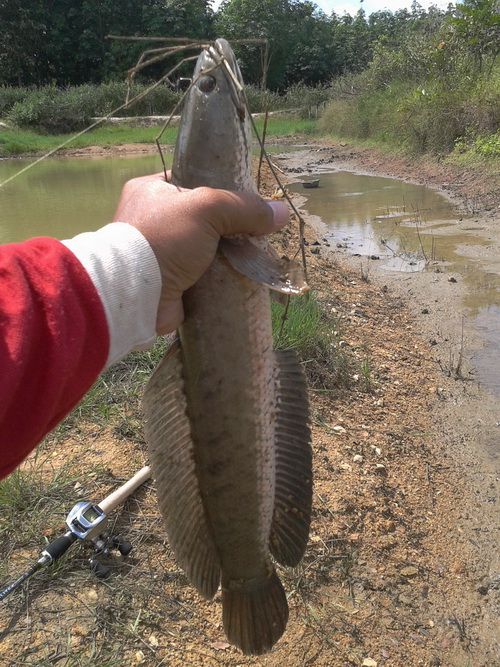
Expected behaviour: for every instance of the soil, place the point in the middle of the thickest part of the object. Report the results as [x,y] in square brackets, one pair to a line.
[402,567]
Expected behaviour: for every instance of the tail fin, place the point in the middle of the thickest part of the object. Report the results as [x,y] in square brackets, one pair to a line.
[255,613]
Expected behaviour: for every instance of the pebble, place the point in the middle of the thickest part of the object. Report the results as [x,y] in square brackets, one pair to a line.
[409,571]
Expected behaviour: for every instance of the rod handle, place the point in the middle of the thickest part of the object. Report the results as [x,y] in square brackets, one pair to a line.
[124,491]
[59,546]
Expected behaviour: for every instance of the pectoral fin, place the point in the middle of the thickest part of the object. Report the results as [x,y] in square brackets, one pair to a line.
[172,460]
[293,495]
[264,267]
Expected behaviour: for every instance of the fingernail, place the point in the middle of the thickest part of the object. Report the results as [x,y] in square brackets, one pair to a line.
[281,214]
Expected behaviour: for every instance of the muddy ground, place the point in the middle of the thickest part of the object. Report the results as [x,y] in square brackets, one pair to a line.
[402,566]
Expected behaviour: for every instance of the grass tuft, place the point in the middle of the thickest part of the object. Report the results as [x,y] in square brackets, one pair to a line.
[306,327]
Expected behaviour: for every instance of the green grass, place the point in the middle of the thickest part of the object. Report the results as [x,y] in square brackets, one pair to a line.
[286,126]
[14,143]
[305,326]
[25,142]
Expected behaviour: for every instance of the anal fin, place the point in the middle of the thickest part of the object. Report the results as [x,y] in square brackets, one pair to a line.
[293,495]
[172,460]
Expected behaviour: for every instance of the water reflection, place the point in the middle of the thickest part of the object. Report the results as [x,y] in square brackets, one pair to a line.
[413,228]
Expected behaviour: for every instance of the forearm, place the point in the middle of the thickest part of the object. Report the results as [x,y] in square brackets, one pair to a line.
[125,273]
[66,311]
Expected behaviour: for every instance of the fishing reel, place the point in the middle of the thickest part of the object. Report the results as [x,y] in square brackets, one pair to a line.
[87,521]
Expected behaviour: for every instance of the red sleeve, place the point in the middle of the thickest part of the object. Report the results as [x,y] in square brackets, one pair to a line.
[54,341]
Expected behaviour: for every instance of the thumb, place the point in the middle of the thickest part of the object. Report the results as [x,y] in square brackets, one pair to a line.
[242,212]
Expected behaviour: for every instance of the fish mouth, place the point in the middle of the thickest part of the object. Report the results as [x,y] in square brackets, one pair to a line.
[216,62]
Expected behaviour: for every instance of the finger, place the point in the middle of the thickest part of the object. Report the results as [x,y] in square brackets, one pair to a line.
[242,212]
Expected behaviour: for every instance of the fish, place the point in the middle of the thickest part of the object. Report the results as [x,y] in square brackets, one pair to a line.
[226,416]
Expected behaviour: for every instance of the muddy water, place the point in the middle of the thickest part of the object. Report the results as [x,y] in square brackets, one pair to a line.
[403,227]
[406,227]
[61,197]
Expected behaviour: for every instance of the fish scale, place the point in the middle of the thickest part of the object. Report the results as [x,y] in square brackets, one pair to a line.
[226,415]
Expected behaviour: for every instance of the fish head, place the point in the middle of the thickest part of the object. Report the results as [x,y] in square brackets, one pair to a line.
[214,146]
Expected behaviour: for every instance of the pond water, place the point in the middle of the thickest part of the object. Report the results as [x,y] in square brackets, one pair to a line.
[61,197]
[408,227]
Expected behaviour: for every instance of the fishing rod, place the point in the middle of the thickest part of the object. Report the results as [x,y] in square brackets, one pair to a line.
[87,521]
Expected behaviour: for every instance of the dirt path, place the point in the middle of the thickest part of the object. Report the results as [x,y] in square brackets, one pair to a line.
[402,566]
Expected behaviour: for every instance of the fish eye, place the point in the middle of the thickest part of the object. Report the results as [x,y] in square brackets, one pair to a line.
[207,84]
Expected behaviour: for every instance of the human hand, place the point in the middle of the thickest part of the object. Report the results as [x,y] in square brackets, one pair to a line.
[183,228]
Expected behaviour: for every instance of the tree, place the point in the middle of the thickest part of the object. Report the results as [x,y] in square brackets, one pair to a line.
[476,26]
[21,39]
[264,19]
[64,42]
[312,53]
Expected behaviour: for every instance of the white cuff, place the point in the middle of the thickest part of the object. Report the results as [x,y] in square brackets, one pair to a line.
[125,272]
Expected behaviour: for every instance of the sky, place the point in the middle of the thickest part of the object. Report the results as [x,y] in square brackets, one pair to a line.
[352,6]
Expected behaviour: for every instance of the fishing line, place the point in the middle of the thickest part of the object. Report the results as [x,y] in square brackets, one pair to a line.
[126,104]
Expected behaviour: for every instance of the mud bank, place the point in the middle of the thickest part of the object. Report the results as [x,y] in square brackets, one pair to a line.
[467,416]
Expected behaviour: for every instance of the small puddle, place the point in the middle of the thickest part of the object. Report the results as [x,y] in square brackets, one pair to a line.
[409,228]
[383,218]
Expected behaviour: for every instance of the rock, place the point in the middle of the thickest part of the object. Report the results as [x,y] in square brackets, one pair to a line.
[452,280]
[357,458]
[409,572]
[369,662]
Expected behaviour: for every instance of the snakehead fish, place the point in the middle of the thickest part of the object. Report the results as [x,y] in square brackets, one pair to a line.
[226,416]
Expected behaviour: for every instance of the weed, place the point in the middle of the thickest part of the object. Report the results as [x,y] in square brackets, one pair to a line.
[367,374]
[305,327]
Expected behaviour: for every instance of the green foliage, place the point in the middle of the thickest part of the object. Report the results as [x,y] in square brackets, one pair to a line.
[425,93]
[483,145]
[52,110]
[9,95]
[476,28]
[259,99]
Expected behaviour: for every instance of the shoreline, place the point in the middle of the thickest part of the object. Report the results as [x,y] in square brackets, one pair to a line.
[466,416]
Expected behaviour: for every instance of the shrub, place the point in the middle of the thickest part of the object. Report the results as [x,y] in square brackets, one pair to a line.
[9,96]
[54,110]
[258,98]
[51,110]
